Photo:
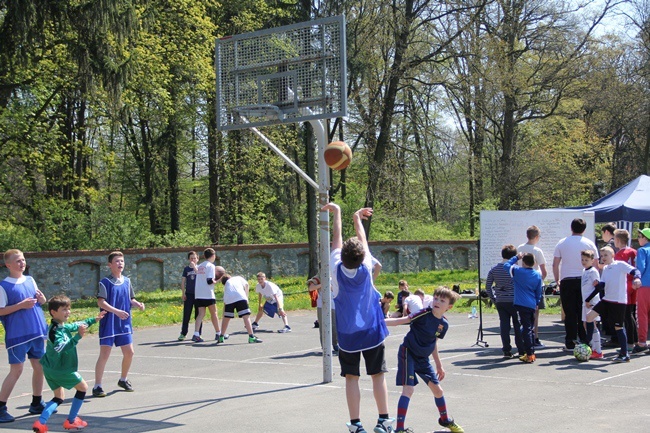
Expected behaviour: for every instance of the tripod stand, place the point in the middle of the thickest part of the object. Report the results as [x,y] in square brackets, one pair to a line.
[479,336]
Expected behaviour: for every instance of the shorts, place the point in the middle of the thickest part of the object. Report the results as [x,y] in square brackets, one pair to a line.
[241,307]
[57,380]
[204,302]
[116,340]
[611,311]
[34,349]
[408,365]
[375,361]
[270,309]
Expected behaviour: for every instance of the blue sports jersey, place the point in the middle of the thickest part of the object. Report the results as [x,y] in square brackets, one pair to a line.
[360,323]
[425,331]
[118,294]
[26,324]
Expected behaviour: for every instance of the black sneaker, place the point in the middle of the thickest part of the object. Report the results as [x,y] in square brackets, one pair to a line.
[639,350]
[98,392]
[36,409]
[508,355]
[125,384]
[622,358]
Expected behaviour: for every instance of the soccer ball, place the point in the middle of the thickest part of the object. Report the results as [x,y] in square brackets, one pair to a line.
[582,352]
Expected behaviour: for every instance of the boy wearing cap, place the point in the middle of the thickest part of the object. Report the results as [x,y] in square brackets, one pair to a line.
[643,292]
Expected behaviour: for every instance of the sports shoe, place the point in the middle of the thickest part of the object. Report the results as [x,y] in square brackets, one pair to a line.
[406,430]
[356,427]
[77,424]
[181,337]
[254,325]
[568,348]
[4,415]
[528,359]
[639,350]
[538,344]
[384,425]
[508,355]
[197,339]
[220,339]
[226,336]
[284,330]
[596,355]
[622,358]
[125,384]
[451,425]
[36,409]
[39,428]
[254,340]
[316,324]
[98,392]
[610,343]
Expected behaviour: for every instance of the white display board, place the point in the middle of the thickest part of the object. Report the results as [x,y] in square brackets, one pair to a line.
[499,228]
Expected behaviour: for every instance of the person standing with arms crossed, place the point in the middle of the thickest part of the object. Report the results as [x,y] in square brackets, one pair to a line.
[569,281]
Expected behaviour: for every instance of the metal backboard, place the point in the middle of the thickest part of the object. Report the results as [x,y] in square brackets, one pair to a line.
[287,74]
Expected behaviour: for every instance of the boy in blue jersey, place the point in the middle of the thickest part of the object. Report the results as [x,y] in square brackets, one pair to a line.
[528,294]
[427,326]
[360,321]
[116,296]
[25,330]
[60,363]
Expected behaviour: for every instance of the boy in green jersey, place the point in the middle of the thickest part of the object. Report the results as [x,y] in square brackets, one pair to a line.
[60,363]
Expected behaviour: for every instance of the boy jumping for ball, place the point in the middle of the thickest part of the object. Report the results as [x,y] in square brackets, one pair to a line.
[427,326]
[359,319]
[60,363]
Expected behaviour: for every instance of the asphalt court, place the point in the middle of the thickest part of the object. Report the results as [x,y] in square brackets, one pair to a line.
[277,386]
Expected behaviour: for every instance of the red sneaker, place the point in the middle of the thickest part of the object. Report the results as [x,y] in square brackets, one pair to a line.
[596,355]
[39,428]
[78,424]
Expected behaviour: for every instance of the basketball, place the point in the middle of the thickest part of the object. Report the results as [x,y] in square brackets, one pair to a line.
[338,155]
[582,352]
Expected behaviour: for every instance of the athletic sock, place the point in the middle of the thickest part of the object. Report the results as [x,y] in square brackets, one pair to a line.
[355,421]
[196,334]
[36,400]
[622,340]
[442,408]
[402,408]
[97,385]
[50,407]
[123,379]
[251,335]
[590,332]
[595,341]
[77,401]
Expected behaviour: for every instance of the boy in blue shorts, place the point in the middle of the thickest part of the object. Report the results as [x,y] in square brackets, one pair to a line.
[427,326]
[60,363]
[359,319]
[116,296]
[25,330]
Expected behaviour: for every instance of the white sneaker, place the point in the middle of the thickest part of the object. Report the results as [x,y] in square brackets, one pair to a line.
[284,330]
[384,425]
[255,326]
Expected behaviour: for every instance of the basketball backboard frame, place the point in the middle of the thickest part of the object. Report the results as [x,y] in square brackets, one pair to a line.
[294,73]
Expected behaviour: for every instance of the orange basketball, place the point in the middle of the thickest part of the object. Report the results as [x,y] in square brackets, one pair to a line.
[338,155]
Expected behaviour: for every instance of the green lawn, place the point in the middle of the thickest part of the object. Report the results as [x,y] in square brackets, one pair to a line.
[164,307]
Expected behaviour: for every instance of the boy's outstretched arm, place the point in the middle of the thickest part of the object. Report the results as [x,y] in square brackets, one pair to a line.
[362,214]
[337,237]
[398,321]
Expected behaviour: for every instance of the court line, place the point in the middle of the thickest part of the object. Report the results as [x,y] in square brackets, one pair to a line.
[619,375]
[546,381]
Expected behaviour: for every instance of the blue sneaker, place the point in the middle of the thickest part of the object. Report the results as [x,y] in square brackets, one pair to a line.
[4,415]
[36,409]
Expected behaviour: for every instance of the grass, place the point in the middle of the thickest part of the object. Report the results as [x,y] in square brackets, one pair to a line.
[165,307]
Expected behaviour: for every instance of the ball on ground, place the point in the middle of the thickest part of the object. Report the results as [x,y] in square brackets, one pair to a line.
[582,352]
[338,155]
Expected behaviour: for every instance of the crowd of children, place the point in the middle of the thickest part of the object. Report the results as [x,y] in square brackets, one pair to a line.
[613,289]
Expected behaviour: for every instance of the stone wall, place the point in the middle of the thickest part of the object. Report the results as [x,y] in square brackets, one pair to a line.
[77,273]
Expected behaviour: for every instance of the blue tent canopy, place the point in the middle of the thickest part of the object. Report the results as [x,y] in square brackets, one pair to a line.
[630,202]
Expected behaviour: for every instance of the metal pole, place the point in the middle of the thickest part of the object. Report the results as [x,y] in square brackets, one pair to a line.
[324,250]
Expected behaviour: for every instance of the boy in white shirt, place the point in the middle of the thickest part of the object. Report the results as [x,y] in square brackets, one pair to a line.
[235,297]
[614,302]
[274,302]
